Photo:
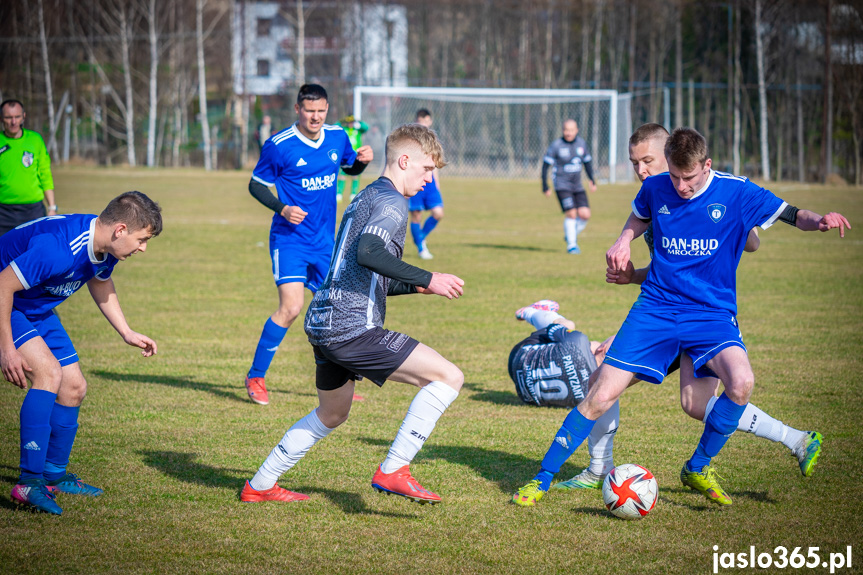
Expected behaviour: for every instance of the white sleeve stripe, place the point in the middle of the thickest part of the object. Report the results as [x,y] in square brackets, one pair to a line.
[638,214]
[772,219]
[378,231]
[548,159]
[20,275]
[266,183]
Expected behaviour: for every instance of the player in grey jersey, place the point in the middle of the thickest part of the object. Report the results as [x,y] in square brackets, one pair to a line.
[567,157]
[345,326]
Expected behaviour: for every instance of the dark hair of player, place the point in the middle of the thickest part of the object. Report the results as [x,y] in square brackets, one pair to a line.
[647,132]
[10,102]
[415,135]
[423,113]
[686,148]
[311,92]
[135,210]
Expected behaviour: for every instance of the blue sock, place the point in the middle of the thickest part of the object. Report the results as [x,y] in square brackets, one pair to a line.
[428,226]
[271,337]
[35,432]
[571,434]
[720,424]
[417,234]
[64,426]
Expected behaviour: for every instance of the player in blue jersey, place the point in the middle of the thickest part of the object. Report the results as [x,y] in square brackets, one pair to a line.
[302,162]
[44,262]
[697,395]
[345,320]
[567,157]
[688,301]
[428,199]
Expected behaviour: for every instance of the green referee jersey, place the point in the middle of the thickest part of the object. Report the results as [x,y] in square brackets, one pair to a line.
[25,169]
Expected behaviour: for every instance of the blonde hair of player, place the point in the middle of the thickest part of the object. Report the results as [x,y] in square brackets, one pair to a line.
[414,137]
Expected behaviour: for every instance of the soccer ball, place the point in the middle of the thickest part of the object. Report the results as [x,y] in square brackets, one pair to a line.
[629,491]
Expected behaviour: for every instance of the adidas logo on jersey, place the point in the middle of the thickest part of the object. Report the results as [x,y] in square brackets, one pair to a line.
[33,446]
[664,210]
[302,162]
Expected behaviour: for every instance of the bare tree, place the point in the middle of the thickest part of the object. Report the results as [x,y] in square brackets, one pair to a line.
[154,78]
[827,126]
[49,89]
[762,91]
[202,83]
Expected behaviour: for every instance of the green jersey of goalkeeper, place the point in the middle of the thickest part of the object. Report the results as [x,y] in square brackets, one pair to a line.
[354,129]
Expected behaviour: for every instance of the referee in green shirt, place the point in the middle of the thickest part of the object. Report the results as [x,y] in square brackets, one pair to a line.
[25,171]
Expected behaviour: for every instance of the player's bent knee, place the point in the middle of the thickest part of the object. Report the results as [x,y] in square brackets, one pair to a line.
[453,376]
[333,418]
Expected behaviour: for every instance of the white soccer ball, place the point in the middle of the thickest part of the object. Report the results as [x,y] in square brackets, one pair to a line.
[630,491]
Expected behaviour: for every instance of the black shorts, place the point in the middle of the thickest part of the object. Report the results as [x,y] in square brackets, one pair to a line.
[13,215]
[570,200]
[375,355]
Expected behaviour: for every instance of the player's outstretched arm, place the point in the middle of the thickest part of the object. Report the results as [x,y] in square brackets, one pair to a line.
[618,255]
[753,242]
[12,363]
[629,275]
[447,285]
[365,154]
[105,296]
[809,221]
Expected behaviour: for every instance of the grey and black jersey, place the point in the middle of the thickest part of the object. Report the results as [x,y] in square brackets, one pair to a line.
[552,366]
[353,299]
[567,160]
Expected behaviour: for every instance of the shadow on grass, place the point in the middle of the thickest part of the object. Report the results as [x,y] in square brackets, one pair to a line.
[700,503]
[492,396]
[232,392]
[508,247]
[505,397]
[182,466]
[13,478]
[510,471]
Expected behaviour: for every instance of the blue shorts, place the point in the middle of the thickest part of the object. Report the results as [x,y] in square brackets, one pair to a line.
[49,328]
[428,198]
[292,264]
[649,341]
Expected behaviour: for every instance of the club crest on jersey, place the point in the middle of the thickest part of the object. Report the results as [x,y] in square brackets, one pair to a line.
[716,211]
[27,159]
[334,156]
[580,151]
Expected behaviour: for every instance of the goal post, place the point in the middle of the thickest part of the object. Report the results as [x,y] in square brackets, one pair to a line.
[502,132]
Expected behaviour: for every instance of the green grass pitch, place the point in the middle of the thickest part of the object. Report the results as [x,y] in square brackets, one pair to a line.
[172,438]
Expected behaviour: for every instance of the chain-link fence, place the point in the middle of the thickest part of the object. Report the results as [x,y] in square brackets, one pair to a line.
[504,133]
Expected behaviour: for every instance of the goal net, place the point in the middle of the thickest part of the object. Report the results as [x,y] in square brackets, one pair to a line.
[503,133]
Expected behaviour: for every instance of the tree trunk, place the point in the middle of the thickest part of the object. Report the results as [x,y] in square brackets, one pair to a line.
[597,77]
[762,94]
[154,76]
[202,82]
[678,66]
[301,44]
[633,14]
[827,134]
[735,147]
[125,35]
[49,90]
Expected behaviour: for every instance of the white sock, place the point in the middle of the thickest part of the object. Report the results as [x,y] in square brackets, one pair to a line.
[570,232]
[760,424]
[540,318]
[600,442]
[294,445]
[580,224]
[426,408]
